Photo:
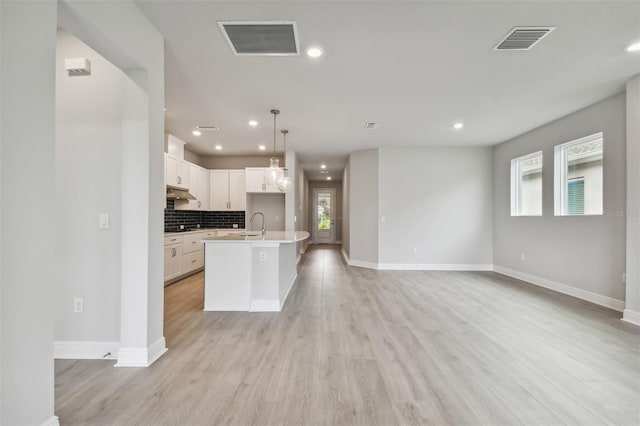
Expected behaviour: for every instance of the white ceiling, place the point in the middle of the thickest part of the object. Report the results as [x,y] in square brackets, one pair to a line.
[414,67]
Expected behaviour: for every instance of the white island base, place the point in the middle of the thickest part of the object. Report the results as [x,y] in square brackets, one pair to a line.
[250,273]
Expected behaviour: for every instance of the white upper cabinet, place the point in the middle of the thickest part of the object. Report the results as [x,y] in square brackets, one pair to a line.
[227,190]
[199,188]
[219,190]
[176,172]
[237,190]
[255,181]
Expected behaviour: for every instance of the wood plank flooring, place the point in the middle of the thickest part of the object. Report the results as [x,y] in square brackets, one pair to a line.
[362,347]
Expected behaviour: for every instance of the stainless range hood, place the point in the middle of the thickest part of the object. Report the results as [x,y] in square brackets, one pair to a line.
[174,193]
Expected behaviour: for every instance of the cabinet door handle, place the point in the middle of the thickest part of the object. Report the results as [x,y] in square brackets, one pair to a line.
[179,179]
[264,186]
[173,252]
[199,203]
[173,239]
[193,261]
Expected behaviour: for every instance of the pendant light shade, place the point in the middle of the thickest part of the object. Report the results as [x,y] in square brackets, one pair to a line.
[285,184]
[274,174]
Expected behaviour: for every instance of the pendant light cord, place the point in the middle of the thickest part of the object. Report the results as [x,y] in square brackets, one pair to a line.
[275,112]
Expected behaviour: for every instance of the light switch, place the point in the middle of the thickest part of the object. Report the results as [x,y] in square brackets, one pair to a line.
[103,222]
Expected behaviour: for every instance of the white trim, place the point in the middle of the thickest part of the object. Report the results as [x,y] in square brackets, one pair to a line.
[363,264]
[51,421]
[589,296]
[631,317]
[141,357]
[434,267]
[295,277]
[264,305]
[85,350]
[227,308]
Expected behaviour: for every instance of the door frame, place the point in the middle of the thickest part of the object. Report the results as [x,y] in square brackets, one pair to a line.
[314,222]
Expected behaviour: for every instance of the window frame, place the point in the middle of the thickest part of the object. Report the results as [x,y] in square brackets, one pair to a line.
[561,173]
[516,184]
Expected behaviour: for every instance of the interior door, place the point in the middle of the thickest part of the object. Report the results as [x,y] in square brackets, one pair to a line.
[324,211]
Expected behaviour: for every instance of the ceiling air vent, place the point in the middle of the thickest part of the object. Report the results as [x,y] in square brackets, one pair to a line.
[209,128]
[370,125]
[270,38]
[523,38]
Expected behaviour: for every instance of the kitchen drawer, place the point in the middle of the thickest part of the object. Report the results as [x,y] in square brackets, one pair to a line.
[173,239]
[192,261]
[209,234]
[191,242]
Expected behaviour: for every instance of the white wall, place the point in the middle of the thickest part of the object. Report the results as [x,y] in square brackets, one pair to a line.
[438,201]
[88,168]
[584,252]
[27,175]
[632,308]
[121,34]
[363,207]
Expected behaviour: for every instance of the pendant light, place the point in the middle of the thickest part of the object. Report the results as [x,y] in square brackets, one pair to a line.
[285,184]
[274,174]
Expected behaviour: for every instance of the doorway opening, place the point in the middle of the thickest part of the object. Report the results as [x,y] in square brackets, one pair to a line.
[324,216]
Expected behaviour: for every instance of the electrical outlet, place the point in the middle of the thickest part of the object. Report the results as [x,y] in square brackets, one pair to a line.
[78,304]
[523,257]
[263,256]
[624,278]
[414,250]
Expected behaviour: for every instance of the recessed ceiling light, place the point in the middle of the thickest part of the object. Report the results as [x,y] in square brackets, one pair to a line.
[635,47]
[218,147]
[459,125]
[253,123]
[262,147]
[328,177]
[314,52]
[196,132]
[323,166]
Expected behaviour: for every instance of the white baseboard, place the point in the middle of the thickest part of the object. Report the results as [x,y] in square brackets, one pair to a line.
[227,308]
[630,316]
[589,296]
[51,421]
[141,357]
[434,267]
[416,266]
[85,350]
[264,305]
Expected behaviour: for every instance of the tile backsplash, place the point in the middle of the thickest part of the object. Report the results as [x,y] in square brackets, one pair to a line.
[190,219]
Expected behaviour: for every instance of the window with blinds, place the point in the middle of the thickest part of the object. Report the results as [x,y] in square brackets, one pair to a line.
[575,196]
[578,176]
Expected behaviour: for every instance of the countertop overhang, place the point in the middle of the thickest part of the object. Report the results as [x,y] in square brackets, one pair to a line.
[269,237]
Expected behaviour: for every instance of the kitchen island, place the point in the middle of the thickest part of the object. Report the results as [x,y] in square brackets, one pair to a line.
[249,271]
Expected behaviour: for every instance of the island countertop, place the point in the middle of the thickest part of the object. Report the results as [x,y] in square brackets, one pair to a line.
[257,237]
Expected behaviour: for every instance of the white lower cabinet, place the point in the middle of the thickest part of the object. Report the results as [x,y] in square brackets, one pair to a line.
[192,261]
[172,261]
[184,253]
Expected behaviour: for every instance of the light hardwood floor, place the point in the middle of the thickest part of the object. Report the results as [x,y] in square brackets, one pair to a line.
[358,346]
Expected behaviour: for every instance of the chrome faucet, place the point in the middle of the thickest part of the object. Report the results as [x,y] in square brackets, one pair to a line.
[264,229]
